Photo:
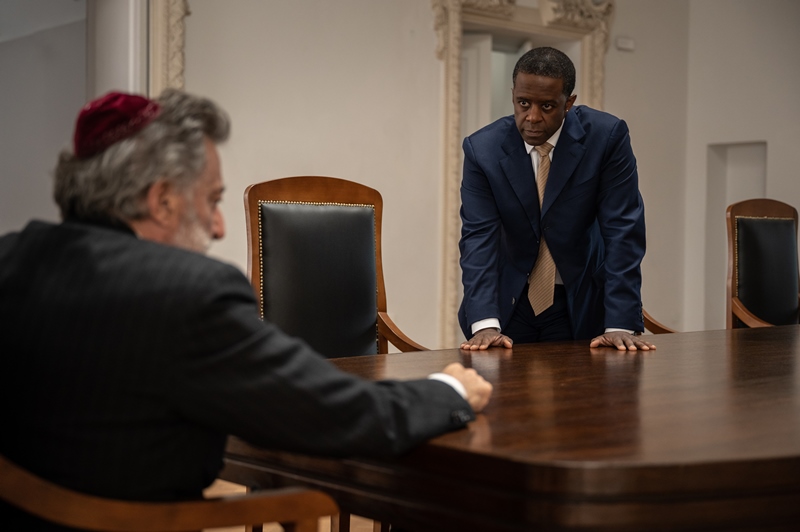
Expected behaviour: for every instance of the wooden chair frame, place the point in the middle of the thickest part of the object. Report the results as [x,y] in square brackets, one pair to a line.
[319,189]
[325,190]
[754,208]
[297,509]
[654,326]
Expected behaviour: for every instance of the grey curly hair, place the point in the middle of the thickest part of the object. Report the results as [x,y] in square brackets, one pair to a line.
[112,185]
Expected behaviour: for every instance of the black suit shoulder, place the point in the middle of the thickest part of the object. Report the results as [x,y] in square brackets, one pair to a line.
[151,355]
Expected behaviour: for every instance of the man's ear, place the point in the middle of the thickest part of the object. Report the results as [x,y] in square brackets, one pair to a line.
[570,101]
[162,202]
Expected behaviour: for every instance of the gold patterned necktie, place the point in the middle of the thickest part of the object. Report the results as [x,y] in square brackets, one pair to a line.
[542,280]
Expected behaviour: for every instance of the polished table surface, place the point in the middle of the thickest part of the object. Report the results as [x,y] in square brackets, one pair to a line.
[702,433]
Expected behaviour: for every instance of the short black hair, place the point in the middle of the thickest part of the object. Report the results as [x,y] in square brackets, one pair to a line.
[548,62]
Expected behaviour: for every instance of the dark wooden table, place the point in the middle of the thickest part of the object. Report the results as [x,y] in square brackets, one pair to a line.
[703,433]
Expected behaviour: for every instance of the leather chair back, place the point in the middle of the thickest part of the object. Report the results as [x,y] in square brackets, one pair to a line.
[763,276]
[318,274]
[314,259]
[767,268]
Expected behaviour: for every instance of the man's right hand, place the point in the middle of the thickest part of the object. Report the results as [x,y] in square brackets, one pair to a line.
[478,389]
[486,338]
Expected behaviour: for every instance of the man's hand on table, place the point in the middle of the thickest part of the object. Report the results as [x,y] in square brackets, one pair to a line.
[623,341]
[478,389]
[486,338]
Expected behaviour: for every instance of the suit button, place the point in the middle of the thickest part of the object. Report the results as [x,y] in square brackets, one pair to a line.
[513,300]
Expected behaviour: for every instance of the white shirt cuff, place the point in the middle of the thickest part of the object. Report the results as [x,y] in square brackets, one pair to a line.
[614,329]
[452,381]
[485,324]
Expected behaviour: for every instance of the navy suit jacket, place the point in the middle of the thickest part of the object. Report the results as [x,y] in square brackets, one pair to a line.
[592,219]
[126,364]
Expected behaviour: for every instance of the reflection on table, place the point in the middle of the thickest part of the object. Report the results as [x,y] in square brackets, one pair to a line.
[703,432]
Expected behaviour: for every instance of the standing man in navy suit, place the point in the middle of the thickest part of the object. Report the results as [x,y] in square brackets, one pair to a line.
[564,264]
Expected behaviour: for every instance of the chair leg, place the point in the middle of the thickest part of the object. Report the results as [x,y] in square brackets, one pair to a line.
[252,528]
[340,522]
[304,525]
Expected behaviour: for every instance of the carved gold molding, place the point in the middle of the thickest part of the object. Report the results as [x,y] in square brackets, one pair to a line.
[587,21]
[578,13]
[167,44]
[594,18]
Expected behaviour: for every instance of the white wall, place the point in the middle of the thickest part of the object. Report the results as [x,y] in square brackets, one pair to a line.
[353,89]
[42,83]
[706,78]
[116,36]
[21,18]
[744,82]
[349,89]
[647,88]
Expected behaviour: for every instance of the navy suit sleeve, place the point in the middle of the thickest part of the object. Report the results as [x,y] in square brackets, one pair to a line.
[480,241]
[620,214]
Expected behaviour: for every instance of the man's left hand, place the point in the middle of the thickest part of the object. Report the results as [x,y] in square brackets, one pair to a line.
[623,341]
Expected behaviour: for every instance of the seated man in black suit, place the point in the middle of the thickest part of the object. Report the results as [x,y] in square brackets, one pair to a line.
[130,356]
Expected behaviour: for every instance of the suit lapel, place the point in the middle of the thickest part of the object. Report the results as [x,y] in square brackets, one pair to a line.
[518,170]
[568,153]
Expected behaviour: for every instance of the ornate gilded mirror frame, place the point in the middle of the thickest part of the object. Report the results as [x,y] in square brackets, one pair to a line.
[585,21]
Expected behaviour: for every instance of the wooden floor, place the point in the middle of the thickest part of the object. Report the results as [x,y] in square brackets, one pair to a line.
[220,487]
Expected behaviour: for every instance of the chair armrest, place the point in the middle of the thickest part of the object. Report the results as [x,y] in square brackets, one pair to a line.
[747,317]
[61,505]
[390,331]
[654,326]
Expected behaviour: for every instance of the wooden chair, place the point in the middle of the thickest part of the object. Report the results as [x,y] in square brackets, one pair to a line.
[763,276]
[314,258]
[654,326]
[296,509]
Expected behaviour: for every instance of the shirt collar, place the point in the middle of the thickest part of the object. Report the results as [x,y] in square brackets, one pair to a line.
[552,140]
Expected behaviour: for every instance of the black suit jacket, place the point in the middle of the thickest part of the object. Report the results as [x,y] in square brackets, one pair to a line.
[127,363]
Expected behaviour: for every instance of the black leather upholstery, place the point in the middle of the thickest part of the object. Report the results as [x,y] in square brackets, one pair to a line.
[766,250]
[319,274]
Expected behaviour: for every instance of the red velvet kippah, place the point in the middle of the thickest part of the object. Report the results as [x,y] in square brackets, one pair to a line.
[109,119]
